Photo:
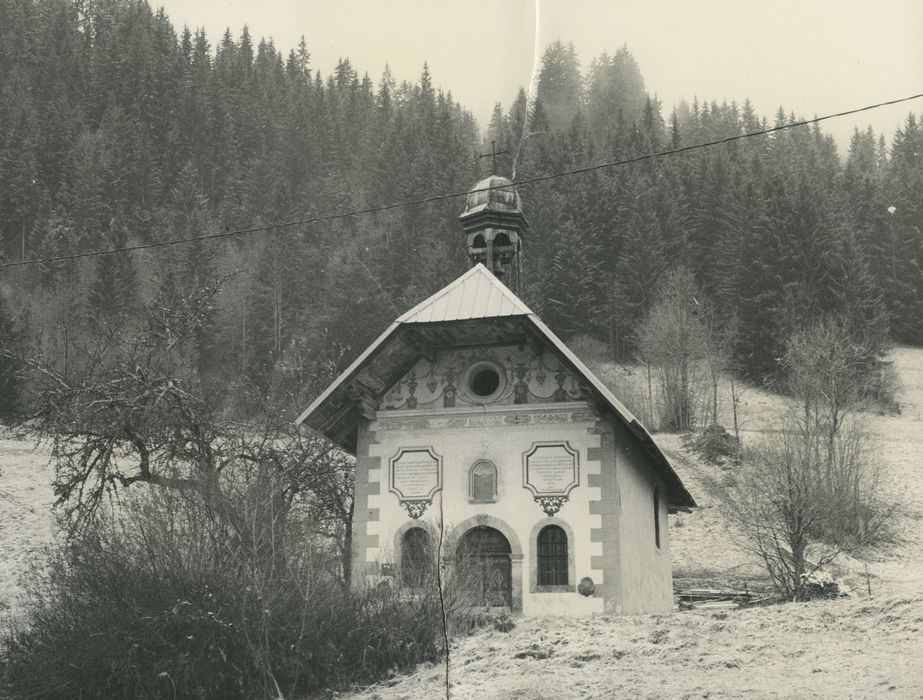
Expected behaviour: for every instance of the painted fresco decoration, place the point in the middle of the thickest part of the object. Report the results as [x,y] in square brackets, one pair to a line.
[551,470]
[415,477]
[527,376]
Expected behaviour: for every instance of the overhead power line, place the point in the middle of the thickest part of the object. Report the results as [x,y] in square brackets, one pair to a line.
[227,233]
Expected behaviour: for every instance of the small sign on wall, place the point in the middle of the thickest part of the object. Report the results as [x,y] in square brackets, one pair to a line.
[415,476]
[551,470]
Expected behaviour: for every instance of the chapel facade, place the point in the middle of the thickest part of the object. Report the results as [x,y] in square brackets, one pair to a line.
[473,423]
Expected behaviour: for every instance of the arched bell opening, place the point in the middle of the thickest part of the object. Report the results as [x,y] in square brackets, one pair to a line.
[477,250]
[503,254]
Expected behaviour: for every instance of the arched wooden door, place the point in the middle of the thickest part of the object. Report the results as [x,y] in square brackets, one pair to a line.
[486,566]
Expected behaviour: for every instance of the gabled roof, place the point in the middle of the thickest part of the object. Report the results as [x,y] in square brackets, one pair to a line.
[476,294]
[475,309]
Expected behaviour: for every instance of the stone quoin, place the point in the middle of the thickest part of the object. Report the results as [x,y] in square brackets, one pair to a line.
[468,416]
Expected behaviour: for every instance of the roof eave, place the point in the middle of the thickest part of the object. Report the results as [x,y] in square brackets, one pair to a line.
[349,373]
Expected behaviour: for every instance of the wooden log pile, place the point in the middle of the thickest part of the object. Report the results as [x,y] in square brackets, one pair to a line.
[709,598]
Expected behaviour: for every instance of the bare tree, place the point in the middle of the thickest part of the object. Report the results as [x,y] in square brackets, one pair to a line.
[811,493]
[672,341]
[832,371]
[775,506]
[130,410]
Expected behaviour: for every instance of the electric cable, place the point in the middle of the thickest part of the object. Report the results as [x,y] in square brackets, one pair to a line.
[227,233]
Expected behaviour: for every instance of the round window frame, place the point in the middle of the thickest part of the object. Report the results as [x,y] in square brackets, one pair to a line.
[474,370]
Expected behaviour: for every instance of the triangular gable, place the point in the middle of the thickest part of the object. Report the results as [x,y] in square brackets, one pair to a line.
[475,295]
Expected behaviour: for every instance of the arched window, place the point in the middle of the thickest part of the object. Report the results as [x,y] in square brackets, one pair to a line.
[657,516]
[552,556]
[483,486]
[416,557]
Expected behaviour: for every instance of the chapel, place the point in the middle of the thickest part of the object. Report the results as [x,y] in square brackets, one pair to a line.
[474,424]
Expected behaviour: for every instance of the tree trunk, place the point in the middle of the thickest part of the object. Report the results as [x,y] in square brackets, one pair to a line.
[346,553]
[735,398]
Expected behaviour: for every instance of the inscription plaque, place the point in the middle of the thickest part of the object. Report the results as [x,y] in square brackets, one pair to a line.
[416,476]
[551,470]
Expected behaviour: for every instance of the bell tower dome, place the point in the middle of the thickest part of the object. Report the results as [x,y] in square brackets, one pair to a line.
[494,227]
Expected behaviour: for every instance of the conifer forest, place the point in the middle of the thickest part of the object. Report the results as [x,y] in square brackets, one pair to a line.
[118,128]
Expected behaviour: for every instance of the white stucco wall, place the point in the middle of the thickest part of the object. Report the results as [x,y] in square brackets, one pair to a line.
[608,516]
[646,579]
[501,435]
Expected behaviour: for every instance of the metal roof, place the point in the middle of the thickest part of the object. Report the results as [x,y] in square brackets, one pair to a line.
[476,308]
[476,294]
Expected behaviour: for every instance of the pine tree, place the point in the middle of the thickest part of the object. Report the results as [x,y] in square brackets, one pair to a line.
[904,252]
[559,85]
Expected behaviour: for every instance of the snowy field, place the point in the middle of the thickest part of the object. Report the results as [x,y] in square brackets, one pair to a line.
[840,649]
[858,647]
[25,512]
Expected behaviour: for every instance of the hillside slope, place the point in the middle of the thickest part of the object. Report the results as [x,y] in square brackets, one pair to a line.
[703,548]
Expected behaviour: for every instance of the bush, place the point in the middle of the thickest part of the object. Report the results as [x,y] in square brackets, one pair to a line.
[715,444]
[820,585]
[218,596]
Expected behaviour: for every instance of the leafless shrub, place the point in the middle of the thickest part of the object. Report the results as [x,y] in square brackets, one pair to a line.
[832,371]
[208,594]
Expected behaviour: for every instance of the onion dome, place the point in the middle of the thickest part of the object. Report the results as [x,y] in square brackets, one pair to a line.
[492,194]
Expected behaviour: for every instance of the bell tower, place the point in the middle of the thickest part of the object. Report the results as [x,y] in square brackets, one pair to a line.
[494,227]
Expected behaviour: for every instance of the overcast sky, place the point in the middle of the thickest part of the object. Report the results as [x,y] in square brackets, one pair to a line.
[812,57]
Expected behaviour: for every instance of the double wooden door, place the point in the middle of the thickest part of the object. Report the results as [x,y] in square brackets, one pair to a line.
[486,567]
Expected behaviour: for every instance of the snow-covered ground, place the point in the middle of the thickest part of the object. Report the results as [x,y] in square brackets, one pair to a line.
[839,649]
[25,512]
[859,647]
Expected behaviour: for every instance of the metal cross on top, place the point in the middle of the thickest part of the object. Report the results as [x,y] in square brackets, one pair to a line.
[493,155]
